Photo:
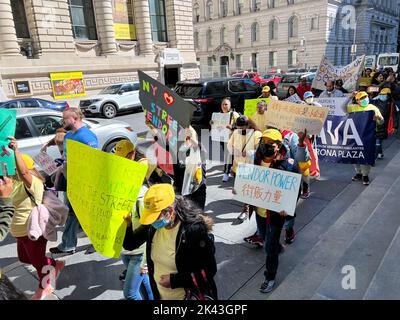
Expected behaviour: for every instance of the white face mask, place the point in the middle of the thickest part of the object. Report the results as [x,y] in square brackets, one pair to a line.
[309,100]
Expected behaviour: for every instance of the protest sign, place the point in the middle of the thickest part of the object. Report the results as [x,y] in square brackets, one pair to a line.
[8,120]
[46,162]
[294,98]
[102,189]
[348,139]
[219,132]
[164,108]
[272,189]
[350,74]
[296,117]
[250,106]
[337,106]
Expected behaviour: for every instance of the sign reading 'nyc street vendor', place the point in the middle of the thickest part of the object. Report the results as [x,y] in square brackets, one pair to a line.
[165,109]
[263,187]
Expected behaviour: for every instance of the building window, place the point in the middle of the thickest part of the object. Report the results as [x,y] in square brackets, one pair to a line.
[271,4]
[20,22]
[273,59]
[314,23]
[224,35]
[239,34]
[196,39]
[292,58]
[290,2]
[255,5]
[158,21]
[239,6]
[273,30]
[224,8]
[254,61]
[239,61]
[209,61]
[293,27]
[209,10]
[82,19]
[124,26]
[196,11]
[209,38]
[255,32]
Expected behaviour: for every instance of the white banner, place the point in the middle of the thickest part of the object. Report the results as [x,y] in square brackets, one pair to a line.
[337,106]
[350,74]
[294,99]
[219,132]
[267,188]
[46,162]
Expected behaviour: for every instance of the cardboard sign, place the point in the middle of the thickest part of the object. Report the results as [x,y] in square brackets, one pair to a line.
[250,106]
[296,117]
[164,108]
[102,189]
[348,139]
[294,99]
[350,74]
[337,106]
[46,162]
[8,120]
[267,188]
[219,132]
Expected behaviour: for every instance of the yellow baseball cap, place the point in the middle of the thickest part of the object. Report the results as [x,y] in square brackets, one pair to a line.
[272,134]
[156,199]
[123,148]
[386,91]
[30,164]
[361,95]
[266,89]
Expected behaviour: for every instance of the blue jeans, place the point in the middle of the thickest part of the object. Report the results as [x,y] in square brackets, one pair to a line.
[378,147]
[70,234]
[134,279]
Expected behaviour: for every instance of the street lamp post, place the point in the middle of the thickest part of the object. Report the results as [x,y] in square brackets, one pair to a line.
[354,46]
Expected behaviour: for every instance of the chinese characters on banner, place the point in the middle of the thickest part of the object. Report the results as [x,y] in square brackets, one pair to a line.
[267,188]
[296,117]
[219,132]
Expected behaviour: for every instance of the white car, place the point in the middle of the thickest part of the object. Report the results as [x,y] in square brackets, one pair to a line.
[37,126]
[112,99]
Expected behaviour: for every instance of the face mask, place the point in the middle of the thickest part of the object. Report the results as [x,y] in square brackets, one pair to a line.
[309,100]
[267,150]
[364,102]
[160,223]
[243,132]
[382,97]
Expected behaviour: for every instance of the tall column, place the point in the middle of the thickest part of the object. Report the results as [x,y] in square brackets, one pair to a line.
[143,26]
[105,26]
[8,37]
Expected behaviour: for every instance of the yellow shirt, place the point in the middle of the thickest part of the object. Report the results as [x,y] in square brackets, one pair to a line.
[24,205]
[163,251]
[260,120]
[262,212]
[370,107]
[247,143]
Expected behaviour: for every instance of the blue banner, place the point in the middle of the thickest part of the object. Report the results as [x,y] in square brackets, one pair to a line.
[348,139]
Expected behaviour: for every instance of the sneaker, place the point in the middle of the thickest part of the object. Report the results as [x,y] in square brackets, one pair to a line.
[42,294]
[225,178]
[305,195]
[258,241]
[365,180]
[380,156]
[267,286]
[243,216]
[289,236]
[250,238]
[56,250]
[357,177]
[122,276]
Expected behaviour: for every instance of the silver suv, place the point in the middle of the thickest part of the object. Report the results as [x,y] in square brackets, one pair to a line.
[112,99]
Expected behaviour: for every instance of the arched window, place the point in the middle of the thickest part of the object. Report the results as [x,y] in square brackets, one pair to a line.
[255,32]
[273,30]
[293,27]
[224,8]
[209,38]
[223,35]
[239,6]
[196,12]
[239,34]
[209,10]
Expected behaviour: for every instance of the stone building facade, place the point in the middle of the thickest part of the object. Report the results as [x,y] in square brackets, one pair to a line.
[107,40]
[261,34]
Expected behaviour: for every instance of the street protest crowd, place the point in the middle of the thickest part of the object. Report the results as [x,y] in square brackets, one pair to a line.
[272,150]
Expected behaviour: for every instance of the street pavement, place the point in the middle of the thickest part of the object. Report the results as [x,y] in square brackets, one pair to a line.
[90,276]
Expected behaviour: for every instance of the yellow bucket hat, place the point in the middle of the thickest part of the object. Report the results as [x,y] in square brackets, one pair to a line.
[123,148]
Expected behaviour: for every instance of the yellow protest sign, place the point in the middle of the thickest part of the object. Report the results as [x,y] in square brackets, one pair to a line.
[296,117]
[250,106]
[102,188]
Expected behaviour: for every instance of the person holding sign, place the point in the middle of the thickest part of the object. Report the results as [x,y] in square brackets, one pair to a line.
[362,170]
[179,246]
[259,120]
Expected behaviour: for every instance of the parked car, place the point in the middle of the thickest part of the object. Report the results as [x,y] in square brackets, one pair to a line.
[250,75]
[112,99]
[35,103]
[292,79]
[207,95]
[275,77]
[37,126]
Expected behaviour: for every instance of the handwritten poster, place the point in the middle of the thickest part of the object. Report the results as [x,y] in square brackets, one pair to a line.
[46,162]
[219,132]
[294,99]
[7,129]
[102,189]
[337,106]
[250,106]
[296,117]
[267,188]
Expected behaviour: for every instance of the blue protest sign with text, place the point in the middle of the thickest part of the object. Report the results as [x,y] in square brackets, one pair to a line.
[348,139]
[7,129]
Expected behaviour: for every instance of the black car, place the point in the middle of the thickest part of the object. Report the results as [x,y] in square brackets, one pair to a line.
[207,95]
